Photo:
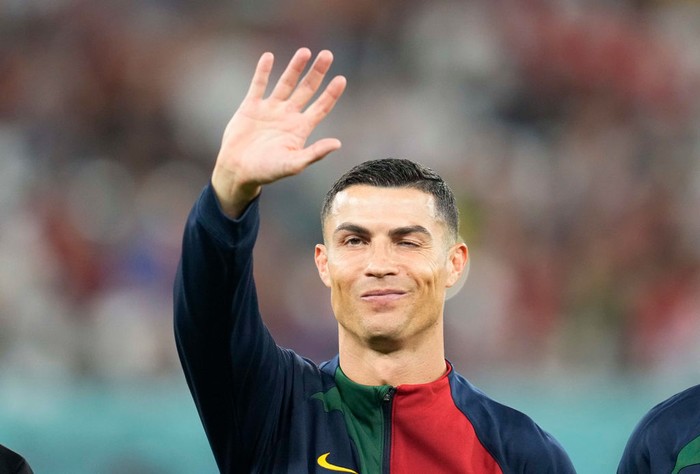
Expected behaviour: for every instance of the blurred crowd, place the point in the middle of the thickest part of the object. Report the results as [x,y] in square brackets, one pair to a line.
[570,132]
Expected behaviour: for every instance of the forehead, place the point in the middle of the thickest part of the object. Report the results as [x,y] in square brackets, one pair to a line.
[400,206]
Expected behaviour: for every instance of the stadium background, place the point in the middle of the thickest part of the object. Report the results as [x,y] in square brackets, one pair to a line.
[569,131]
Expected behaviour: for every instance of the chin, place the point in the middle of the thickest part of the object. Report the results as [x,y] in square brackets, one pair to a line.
[384,343]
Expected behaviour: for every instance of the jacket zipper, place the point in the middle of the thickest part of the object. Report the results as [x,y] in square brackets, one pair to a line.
[387,404]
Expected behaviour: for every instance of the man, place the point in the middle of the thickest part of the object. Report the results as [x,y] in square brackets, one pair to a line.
[389,402]
[667,438]
[13,463]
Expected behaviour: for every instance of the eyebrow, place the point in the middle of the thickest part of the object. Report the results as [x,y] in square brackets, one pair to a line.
[408,230]
[352,228]
[394,233]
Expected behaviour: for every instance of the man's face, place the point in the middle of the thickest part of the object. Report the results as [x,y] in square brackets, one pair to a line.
[388,260]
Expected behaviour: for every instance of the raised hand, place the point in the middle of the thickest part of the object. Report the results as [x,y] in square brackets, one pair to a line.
[265,140]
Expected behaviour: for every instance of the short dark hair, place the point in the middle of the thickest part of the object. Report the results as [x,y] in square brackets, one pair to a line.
[399,173]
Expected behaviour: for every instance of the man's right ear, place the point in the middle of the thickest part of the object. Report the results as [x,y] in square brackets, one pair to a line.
[321,259]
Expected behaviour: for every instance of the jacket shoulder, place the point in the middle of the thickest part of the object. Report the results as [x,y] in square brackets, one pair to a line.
[512,437]
[662,432]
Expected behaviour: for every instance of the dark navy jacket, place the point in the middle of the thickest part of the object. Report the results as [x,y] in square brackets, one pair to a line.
[667,439]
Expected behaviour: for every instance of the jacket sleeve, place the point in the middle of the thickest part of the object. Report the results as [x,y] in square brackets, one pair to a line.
[635,458]
[552,458]
[534,451]
[232,365]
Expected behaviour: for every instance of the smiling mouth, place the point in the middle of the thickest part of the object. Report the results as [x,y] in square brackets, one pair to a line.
[383,295]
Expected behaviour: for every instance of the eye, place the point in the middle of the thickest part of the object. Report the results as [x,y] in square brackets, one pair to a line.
[408,243]
[352,241]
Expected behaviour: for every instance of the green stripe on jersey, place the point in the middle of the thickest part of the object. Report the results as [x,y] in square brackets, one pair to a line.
[688,456]
[361,406]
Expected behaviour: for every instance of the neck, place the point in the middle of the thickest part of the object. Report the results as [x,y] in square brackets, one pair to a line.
[415,365]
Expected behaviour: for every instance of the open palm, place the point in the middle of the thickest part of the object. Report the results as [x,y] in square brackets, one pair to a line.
[265,139]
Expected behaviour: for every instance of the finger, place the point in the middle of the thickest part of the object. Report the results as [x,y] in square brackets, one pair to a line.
[289,78]
[312,80]
[311,154]
[319,149]
[261,76]
[318,110]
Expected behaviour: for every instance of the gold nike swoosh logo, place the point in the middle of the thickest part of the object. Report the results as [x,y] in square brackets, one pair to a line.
[323,462]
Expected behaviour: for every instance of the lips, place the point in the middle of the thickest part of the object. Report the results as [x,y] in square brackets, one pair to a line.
[384,294]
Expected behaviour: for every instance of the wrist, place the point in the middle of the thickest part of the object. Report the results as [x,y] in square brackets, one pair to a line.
[233,196]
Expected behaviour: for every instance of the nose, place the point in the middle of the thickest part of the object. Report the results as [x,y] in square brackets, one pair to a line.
[380,262]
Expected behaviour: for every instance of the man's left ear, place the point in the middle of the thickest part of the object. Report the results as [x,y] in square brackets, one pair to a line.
[321,260]
[457,263]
